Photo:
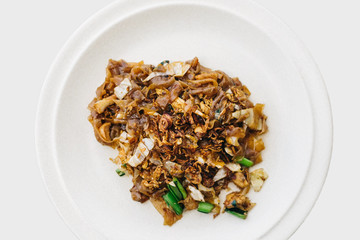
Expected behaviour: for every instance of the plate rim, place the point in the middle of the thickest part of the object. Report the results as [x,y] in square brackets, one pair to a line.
[61,66]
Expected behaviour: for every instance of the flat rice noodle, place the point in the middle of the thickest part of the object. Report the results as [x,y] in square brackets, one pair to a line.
[134,85]
[212,75]
[225,81]
[122,103]
[99,136]
[117,80]
[100,91]
[237,81]
[184,84]
[169,216]
[104,131]
[194,62]
[102,104]
[91,106]
[256,144]
[161,82]
[218,99]
[235,132]
[208,91]
[198,83]
[175,91]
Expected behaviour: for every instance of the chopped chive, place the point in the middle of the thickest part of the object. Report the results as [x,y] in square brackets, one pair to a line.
[237,212]
[124,165]
[171,201]
[205,207]
[244,161]
[180,187]
[120,173]
[175,191]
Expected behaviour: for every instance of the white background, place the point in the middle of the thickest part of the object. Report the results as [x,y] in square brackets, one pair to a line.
[31,34]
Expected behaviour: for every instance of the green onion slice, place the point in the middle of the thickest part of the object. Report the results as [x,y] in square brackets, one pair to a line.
[237,212]
[120,173]
[175,191]
[205,207]
[171,201]
[244,161]
[180,187]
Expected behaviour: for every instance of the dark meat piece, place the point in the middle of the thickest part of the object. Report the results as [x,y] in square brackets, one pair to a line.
[138,196]
[251,154]
[115,131]
[175,91]
[163,101]
[137,95]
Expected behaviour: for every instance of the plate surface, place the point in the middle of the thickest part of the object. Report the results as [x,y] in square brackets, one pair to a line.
[238,37]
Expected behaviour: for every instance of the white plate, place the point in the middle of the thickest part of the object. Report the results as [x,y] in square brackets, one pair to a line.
[238,37]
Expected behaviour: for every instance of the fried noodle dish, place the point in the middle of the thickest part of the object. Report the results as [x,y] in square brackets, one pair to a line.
[184,133]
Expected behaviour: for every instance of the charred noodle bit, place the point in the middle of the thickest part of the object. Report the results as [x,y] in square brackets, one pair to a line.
[184,132]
